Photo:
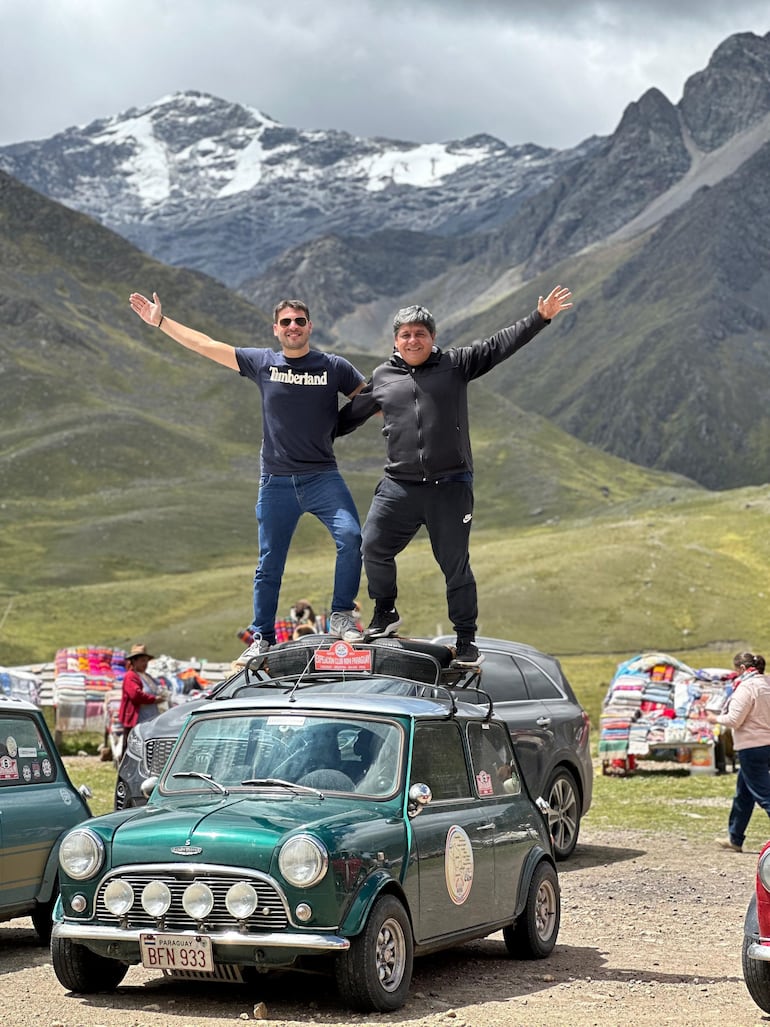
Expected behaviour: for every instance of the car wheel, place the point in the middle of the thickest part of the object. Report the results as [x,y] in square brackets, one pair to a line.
[756,973]
[81,970]
[533,936]
[122,798]
[375,973]
[42,918]
[564,818]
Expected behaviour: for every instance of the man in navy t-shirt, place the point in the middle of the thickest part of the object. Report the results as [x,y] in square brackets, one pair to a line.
[298,472]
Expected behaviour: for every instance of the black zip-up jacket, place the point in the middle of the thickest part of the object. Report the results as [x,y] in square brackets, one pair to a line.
[425,408]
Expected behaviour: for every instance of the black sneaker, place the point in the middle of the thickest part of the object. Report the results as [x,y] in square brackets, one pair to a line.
[467,655]
[384,622]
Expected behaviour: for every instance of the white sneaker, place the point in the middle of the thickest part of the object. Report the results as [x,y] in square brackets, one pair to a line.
[344,626]
[257,648]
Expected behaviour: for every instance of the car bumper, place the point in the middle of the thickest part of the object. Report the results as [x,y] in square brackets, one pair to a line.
[757,950]
[299,940]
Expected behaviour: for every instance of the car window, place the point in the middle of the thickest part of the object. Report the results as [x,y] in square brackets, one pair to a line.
[539,685]
[329,753]
[494,769]
[502,679]
[438,760]
[25,753]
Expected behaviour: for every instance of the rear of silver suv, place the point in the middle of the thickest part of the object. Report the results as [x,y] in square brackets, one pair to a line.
[549,728]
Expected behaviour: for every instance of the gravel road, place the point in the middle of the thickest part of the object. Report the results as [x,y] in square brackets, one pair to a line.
[651,935]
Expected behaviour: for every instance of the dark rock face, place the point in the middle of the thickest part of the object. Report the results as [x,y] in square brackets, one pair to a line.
[731,94]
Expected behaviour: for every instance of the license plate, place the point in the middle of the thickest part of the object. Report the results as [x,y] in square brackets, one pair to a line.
[176,952]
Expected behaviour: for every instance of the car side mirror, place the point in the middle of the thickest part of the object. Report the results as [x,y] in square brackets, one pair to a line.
[86,792]
[148,786]
[419,796]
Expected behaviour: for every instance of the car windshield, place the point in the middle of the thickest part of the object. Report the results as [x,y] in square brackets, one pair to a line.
[249,751]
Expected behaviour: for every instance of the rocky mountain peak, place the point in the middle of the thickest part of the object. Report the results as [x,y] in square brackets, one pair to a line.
[731,93]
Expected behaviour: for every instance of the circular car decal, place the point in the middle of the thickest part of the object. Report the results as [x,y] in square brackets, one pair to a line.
[458,864]
[10,744]
[65,796]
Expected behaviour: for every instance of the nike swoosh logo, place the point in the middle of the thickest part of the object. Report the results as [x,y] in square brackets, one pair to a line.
[467,518]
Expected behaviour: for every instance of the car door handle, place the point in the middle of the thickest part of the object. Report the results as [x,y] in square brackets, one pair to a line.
[485,827]
[543,721]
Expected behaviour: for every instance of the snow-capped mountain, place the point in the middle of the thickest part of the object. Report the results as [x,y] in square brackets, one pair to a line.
[223,188]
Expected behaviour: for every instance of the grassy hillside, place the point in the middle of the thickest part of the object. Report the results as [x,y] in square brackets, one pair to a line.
[675,571]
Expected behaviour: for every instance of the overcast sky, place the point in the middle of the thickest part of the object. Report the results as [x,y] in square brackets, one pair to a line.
[537,71]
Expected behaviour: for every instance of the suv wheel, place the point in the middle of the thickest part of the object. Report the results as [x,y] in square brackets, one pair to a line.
[564,818]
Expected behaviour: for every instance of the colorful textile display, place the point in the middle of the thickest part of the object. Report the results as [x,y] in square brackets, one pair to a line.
[655,701]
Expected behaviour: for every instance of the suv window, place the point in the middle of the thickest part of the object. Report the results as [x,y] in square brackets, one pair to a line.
[439,761]
[502,679]
[539,685]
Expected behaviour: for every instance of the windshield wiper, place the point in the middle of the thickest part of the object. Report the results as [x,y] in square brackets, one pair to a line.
[203,777]
[279,781]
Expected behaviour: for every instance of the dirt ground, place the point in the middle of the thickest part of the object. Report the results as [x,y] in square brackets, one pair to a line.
[651,934]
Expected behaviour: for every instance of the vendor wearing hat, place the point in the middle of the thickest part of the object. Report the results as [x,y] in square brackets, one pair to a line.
[141,693]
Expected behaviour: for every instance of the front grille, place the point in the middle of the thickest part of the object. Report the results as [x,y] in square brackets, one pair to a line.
[270,914]
[157,752]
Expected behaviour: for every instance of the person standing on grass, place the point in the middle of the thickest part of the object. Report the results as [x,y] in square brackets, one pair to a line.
[748,717]
[422,393]
[141,693]
[300,387]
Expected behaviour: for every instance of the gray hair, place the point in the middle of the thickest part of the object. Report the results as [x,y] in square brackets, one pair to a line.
[414,315]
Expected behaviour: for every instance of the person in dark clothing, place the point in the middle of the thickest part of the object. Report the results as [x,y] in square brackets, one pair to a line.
[422,394]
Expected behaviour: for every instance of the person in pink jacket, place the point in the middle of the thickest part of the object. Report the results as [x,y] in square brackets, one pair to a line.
[748,716]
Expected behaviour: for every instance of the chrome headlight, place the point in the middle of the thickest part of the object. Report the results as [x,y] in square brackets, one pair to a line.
[198,901]
[241,900]
[81,854]
[303,861]
[763,869]
[118,897]
[156,899]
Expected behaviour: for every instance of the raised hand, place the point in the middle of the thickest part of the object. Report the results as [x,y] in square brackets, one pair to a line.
[556,301]
[150,312]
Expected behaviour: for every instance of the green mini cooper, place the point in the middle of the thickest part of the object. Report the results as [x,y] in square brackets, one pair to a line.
[314,829]
[38,803]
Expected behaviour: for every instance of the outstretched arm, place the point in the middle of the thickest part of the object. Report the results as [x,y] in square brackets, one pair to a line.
[151,313]
[556,301]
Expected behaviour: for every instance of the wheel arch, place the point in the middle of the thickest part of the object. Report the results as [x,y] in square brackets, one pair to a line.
[376,884]
[536,856]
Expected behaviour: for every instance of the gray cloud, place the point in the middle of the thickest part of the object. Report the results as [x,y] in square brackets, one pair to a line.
[526,71]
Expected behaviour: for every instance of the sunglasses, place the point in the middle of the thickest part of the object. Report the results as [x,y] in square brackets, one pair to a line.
[300,322]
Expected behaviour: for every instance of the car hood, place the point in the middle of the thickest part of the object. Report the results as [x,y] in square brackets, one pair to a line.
[236,831]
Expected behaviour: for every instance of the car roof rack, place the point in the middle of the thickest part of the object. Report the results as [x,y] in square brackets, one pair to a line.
[415,660]
[428,665]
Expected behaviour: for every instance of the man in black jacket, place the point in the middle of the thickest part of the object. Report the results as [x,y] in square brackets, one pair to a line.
[423,395]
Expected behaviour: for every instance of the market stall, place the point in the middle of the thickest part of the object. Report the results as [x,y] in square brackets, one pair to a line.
[655,706]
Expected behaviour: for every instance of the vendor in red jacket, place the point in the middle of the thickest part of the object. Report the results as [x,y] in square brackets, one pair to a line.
[140,691]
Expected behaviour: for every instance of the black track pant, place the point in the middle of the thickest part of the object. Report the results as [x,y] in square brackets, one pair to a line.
[397,512]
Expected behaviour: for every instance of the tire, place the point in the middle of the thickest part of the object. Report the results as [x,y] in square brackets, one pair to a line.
[756,974]
[122,798]
[42,918]
[375,973]
[83,971]
[564,818]
[534,934]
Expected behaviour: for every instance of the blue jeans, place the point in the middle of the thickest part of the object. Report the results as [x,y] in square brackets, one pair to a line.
[281,502]
[752,786]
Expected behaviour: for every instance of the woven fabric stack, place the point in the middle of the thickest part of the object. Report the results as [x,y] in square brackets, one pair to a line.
[83,677]
[656,701]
